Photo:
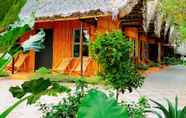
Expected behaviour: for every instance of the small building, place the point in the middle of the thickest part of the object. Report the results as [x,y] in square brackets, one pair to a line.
[71,24]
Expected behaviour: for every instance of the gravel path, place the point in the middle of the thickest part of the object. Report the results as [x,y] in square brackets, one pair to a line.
[168,83]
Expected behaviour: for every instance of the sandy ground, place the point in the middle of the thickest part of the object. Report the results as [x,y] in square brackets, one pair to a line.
[168,83]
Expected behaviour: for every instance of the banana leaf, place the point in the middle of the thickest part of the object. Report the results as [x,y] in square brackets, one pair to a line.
[11,108]
[97,105]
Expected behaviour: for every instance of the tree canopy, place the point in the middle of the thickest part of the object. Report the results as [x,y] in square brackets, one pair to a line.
[175,12]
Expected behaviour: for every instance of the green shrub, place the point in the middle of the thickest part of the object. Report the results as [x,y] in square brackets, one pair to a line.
[154,64]
[68,107]
[43,70]
[138,110]
[142,66]
[172,61]
[111,51]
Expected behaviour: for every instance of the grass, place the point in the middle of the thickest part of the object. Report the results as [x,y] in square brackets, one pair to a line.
[68,79]
[3,74]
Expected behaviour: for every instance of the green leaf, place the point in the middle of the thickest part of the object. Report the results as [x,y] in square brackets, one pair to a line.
[17,92]
[176,106]
[183,113]
[4,60]
[8,39]
[56,89]
[9,11]
[38,88]
[11,108]
[172,110]
[162,108]
[97,105]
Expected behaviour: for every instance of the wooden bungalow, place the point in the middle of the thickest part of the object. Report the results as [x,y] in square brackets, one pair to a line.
[149,31]
[71,24]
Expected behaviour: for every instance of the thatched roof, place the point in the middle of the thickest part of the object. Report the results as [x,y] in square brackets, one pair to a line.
[128,7]
[154,22]
[71,8]
[150,11]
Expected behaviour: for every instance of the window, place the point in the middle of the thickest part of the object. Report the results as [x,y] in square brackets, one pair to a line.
[76,46]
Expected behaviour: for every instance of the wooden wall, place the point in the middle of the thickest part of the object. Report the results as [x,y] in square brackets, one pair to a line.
[63,38]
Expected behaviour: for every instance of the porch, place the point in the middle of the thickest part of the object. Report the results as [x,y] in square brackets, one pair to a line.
[67,45]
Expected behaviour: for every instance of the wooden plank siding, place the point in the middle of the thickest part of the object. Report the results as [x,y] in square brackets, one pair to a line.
[63,40]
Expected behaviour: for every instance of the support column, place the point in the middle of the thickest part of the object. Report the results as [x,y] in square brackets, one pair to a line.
[81,49]
[137,50]
[143,51]
[159,52]
[13,65]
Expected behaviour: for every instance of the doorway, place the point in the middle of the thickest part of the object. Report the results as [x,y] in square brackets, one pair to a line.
[153,52]
[44,57]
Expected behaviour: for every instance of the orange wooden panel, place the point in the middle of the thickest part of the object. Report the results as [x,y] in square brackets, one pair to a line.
[91,69]
[131,32]
[107,24]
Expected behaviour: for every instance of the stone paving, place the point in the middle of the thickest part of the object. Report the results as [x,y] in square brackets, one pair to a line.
[168,83]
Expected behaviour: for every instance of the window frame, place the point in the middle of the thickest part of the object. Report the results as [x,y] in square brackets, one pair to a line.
[75,43]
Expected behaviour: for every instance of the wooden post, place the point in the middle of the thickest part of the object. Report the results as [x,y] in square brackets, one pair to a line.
[81,48]
[159,52]
[13,65]
[137,51]
[143,51]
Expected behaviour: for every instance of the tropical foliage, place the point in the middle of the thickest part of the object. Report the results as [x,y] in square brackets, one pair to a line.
[11,108]
[111,51]
[31,91]
[37,88]
[43,71]
[12,28]
[9,10]
[138,110]
[172,61]
[9,46]
[98,105]
[69,105]
[85,104]
[174,11]
[171,112]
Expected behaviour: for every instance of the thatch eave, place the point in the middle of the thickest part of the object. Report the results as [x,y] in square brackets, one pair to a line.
[55,9]
[126,9]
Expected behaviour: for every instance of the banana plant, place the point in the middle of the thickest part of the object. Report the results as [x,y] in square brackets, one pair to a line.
[8,40]
[31,91]
[172,111]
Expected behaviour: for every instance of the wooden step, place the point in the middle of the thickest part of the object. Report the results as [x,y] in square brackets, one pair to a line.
[63,65]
